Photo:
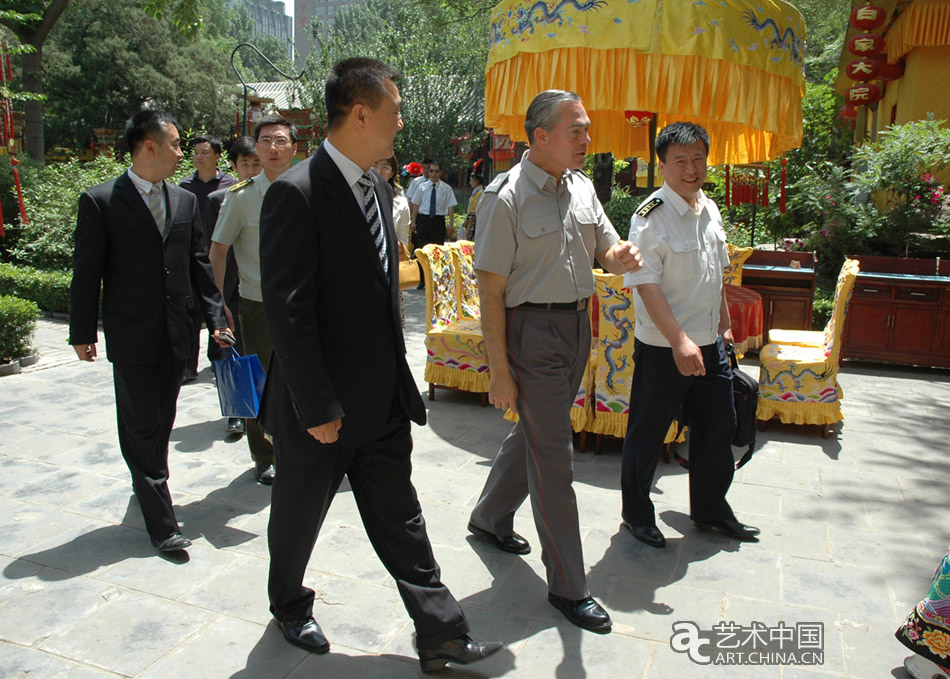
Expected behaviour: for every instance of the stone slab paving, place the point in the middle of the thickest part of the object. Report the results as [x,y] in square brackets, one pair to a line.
[853,527]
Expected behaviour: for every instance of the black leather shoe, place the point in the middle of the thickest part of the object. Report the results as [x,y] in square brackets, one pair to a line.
[730,527]
[305,634]
[461,651]
[265,473]
[172,543]
[585,613]
[421,286]
[190,375]
[514,543]
[649,535]
[235,425]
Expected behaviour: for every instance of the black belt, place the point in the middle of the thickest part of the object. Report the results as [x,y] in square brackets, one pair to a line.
[579,305]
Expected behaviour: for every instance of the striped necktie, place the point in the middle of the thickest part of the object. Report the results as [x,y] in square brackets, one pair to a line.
[156,205]
[372,218]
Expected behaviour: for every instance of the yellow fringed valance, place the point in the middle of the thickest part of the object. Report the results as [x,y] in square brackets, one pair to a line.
[466,380]
[736,71]
[799,413]
[923,23]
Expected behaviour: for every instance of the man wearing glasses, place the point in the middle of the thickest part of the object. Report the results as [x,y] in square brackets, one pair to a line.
[238,226]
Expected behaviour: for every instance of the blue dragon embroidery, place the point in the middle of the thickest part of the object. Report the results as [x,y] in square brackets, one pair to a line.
[526,19]
[611,314]
[786,40]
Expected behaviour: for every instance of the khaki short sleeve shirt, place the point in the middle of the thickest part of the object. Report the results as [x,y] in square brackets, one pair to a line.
[541,234]
[239,225]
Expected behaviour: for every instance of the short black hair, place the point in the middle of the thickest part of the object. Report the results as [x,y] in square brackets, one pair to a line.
[478,177]
[242,146]
[275,120]
[426,161]
[359,80]
[435,162]
[146,124]
[211,140]
[686,134]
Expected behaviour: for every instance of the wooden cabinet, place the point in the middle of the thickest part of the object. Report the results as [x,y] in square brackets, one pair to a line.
[786,281]
[900,312]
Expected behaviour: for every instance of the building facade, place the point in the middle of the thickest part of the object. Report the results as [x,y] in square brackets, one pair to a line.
[268,17]
[311,14]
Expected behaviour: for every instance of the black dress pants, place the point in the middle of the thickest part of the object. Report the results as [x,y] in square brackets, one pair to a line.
[379,475]
[657,392]
[145,399]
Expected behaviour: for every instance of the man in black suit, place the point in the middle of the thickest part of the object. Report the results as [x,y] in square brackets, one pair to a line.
[339,394]
[141,238]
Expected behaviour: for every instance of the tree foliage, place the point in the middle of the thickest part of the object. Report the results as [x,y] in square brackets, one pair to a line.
[441,58]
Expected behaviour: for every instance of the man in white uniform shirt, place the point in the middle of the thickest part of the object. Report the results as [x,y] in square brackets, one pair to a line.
[682,327]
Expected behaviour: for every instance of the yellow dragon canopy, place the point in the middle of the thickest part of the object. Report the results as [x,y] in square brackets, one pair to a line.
[733,66]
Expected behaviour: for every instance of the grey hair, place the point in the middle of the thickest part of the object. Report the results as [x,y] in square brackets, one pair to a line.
[543,110]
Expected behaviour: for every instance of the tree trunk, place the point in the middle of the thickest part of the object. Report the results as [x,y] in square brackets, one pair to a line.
[33,118]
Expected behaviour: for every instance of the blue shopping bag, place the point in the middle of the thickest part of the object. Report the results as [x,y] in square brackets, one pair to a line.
[240,381]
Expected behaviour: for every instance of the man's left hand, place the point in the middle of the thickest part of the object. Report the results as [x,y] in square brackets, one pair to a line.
[727,337]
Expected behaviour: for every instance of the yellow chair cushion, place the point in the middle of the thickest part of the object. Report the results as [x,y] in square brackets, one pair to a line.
[801,338]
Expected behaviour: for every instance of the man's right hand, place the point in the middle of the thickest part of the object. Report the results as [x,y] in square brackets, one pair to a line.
[503,392]
[689,358]
[86,352]
[326,433]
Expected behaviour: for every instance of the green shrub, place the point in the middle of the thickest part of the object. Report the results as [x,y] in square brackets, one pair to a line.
[620,209]
[822,306]
[17,323]
[48,289]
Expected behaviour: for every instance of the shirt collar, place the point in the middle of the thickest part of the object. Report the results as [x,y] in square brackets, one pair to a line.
[216,177]
[535,173]
[351,171]
[143,185]
[262,181]
[680,204]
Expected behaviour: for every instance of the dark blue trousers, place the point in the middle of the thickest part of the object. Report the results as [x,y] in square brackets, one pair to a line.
[658,390]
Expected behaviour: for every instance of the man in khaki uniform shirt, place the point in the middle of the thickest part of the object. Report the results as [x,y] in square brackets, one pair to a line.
[539,228]
[239,226]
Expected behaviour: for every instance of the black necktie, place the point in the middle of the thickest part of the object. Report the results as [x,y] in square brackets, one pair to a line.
[372,218]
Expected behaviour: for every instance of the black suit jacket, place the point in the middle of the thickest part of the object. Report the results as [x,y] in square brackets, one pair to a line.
[333,313]
[146,276]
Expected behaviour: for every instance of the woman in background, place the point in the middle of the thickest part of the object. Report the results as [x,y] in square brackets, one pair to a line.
[401,215]
[467,230]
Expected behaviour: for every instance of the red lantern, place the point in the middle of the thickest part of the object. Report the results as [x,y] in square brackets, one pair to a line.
[638,118]
[848,112]
[868,17]
[865,44]
[864,94]
[873,68]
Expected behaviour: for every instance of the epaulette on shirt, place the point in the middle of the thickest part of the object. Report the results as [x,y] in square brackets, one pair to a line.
[241,185]
[648,207]
[497,183]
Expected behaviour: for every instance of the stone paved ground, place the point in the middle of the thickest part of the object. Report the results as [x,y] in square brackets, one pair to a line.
[853,527]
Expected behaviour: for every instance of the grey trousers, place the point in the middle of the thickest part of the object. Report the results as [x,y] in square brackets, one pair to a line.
[548,352]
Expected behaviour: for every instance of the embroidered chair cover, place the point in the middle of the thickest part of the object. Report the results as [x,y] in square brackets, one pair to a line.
[613,367]
[799,383]
[464,253]
[812,338]
[732,274]
[455,348]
